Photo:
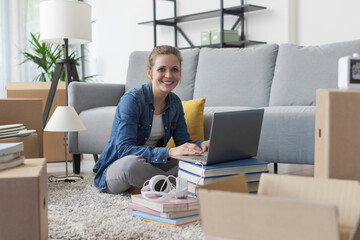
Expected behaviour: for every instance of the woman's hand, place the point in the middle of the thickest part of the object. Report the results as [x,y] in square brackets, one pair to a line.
[185,149]
[205,145]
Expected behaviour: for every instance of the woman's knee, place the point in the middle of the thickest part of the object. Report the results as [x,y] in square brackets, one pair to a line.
[118,176]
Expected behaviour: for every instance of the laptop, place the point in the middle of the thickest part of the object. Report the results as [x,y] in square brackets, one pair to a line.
[233,136]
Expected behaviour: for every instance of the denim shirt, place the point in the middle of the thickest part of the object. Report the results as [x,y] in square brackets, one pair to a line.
[132,126]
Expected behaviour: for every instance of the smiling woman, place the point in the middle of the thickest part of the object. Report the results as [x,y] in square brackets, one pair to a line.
[146,117]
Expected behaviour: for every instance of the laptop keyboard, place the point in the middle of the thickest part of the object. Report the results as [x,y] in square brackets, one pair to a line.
[199,158]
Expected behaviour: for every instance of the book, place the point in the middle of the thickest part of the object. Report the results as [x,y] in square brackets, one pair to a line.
[20,133]
[253,187]
[200,180]
[8,157]
[11,130]
[165,221]
[11,126]
[226,168]
[7,148]
[171,205]
[170,215]
[12,163]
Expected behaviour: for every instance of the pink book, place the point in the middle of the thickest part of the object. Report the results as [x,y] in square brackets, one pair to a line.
[170,215]
[171,205]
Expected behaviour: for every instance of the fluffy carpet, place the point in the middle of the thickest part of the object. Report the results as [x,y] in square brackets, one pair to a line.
[79,211]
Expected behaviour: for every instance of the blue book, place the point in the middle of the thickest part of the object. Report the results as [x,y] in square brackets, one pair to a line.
[8,148]
[172,222]
[226,168]
[201,180]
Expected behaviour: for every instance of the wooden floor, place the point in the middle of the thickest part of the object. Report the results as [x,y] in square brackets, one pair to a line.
[88,162]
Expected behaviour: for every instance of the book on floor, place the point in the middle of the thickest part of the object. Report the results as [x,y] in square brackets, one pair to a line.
[8,157]
[252,186]
[200,180]
[170,205]
[170,215]
[226,168]
[165,221]
[12,163]
[7,148]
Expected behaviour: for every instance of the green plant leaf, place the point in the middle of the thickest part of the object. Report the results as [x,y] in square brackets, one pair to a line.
[44,56]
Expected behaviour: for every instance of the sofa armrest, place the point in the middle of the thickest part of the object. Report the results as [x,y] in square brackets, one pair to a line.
[83,96]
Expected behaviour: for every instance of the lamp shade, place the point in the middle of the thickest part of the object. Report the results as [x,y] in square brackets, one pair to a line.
[64,119]
[60,19]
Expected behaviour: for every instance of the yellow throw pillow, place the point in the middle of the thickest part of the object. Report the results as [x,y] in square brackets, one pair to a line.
[194,118]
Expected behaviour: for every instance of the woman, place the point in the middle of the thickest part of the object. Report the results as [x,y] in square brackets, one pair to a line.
[146,118]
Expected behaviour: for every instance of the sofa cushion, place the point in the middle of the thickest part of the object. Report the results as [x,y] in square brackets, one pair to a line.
[98,129]
[288,135]
[300,71]
[194,117]
[236,77]
[136,74]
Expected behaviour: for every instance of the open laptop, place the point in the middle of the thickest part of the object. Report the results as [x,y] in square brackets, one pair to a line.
[233,136]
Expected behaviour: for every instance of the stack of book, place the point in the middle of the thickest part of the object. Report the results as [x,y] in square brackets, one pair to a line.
[199,175]
[173,212]
[10,155]
[14,130]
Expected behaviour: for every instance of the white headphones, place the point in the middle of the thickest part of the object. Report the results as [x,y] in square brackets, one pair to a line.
[159,188]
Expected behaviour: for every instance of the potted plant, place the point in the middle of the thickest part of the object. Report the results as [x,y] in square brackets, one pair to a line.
[44,56]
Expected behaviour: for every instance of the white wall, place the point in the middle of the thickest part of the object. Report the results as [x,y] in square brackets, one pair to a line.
[326,21]
[116,32]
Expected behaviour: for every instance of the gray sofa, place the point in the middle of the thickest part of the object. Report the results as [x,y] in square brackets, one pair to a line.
[282,79]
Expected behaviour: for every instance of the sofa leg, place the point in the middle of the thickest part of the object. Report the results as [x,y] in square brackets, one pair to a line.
[275,167]
[96,157]
[76,163]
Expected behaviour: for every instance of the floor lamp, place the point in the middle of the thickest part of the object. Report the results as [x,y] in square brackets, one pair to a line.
[64,22]
[65,119]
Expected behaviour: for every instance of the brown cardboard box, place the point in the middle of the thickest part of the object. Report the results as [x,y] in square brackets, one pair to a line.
[31,145]
[337,134]
[23,201]
[28,112]
[286,207]
[53,142]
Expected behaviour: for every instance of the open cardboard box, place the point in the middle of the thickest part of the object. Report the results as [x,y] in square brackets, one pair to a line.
[286,207]
[52,143]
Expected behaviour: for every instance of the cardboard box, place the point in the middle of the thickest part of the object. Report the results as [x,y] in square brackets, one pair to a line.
[53,142]
[205,38]
[337,134]
[23,202]
[31,145]
[286,207]
[28,112]
[229,36]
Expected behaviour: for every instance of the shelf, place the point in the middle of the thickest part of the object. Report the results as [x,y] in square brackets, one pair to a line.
[237,44]
[238,10]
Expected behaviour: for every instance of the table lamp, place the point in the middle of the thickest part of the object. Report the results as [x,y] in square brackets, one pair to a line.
[65,119]
[64,22]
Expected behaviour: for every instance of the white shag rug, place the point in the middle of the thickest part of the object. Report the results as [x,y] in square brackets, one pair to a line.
[79,211]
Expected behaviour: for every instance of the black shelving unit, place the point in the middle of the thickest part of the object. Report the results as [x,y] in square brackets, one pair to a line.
[220,13]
